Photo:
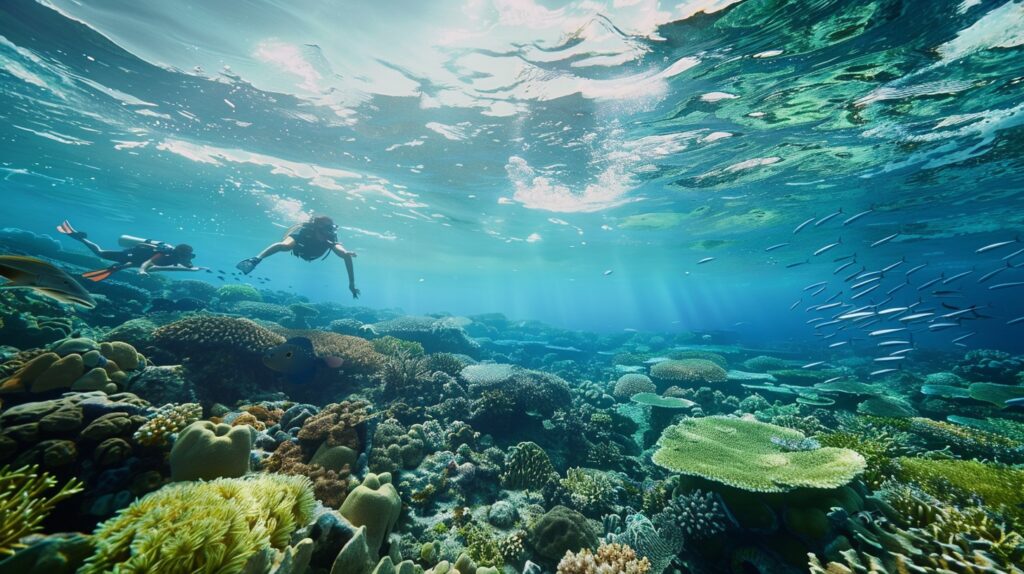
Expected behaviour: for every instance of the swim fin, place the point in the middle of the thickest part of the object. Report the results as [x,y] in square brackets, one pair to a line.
[246,266]
[101,274]
[66,229]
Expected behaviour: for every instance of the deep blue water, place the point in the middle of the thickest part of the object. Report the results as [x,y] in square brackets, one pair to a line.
[505,156]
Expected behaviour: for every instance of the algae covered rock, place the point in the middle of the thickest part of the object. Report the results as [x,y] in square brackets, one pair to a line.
[205,450]
[753,456]
[561,530]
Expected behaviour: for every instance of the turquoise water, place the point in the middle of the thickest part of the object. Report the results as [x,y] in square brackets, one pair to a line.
[483,158]
[687,287]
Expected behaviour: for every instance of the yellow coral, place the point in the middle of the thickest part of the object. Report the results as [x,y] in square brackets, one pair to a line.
[168,420]
[24,504]
[215,526]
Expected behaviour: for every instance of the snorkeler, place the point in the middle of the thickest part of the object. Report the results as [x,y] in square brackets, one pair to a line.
[311,240]
[146,254]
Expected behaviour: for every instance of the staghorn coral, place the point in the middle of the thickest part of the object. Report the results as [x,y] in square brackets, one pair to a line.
[630,384]
[337,424]
[527,467]
[997,486]
[690,372]
[742,454]
[214,526]
[608,559]
[697,516]
[25,500]
[167,421]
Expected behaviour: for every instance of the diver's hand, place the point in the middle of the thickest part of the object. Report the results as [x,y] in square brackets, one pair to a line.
[143,272]
[352,254]
[355,292]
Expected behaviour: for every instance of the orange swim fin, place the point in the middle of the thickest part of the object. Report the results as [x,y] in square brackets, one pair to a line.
[99,274]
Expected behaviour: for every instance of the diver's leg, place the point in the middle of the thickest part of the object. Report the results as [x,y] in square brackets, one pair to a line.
[246,266]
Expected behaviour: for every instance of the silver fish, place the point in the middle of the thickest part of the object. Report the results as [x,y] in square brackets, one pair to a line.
[957,276]
[889,359]
[993,273]
[834,379]
[885,240]
[916,269]
[915,317]
[853,275]
[837,294]
[793,306]
[844,266]
[882,372]
[865,292]
[897,288]
[818,292]
[992,246]
[853,218]
[812,365]
[928,284]
[942,326]
[828,306]
[705,260]
[815,285]
[894,265]
[963,337]
[1014,254]
[865,282]
[774,247]
[802,225]
[1006,285]
[838,344]
[881,332]
[828,247]
[829,217]
[892,310]
[1015,321]
[858,315]
[893,343]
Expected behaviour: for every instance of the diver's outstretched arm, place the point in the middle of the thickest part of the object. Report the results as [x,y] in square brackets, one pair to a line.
[340,251]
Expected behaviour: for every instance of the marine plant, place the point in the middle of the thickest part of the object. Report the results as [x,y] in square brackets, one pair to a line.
[742,453]
[26,500]
[215,526]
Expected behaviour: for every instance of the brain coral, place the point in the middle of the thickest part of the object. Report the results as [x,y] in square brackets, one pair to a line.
[209,332]
[631,384]
[753,456]
[690,371]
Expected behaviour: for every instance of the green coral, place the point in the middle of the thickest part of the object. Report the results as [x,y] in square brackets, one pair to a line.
[591,490]
[234,293]
[689,371]
[204,451]
[25,501]
[215,526]
[482,546]
[630,384]
[527,466]
[753,456]
[388,345]
[997,486]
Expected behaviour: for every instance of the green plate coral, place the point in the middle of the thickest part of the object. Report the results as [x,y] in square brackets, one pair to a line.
[215,526]
[754,456]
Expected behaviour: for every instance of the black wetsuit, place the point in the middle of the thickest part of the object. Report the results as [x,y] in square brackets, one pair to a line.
[311,244]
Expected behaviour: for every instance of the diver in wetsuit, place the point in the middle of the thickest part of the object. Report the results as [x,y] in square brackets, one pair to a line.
[312,240]
[146,254]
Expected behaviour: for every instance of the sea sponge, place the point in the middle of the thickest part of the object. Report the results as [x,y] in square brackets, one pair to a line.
[204,451]
[215,526]
[691,372]
[376,505]
[26,502]
[617,558]
[753,456]
[527,467]
[631,384]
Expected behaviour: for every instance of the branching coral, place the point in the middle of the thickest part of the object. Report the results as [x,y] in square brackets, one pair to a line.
[608,559]
[25,502]
[591,491]
[214,526]
[330,487]
[166,422]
